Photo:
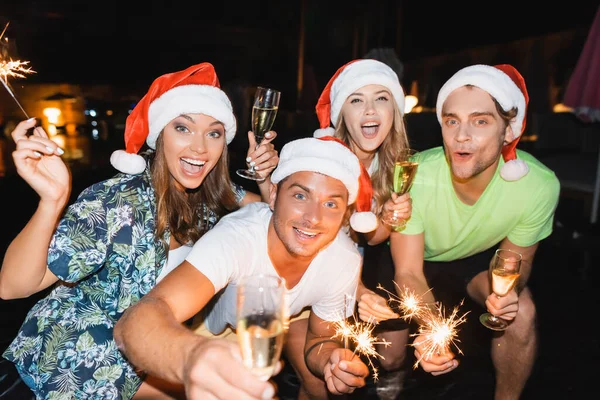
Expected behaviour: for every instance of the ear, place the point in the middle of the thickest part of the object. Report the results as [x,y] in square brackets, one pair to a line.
[272,196]
[509,134]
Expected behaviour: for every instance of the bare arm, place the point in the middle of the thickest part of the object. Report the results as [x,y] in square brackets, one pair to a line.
[24,269]
[407,253]
[151,333]
[152,336]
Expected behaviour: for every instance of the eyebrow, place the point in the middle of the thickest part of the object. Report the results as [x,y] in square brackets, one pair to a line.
[189,118]
[473,114]
[335,195]
[377,92]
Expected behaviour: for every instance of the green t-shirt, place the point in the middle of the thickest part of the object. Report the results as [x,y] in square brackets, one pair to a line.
[522,210]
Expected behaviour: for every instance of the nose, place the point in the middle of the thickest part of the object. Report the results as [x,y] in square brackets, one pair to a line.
[197,143]
[462,133]
[369,107]
[313,213]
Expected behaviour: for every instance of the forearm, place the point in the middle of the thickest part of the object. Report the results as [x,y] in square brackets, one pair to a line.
[379,235]
[265,189]
[154,341]
[24,269]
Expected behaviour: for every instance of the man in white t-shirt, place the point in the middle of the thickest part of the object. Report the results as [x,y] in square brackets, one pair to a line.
[296,236]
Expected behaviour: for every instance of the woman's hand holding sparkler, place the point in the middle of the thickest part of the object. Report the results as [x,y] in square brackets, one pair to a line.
[433,362]
[373,308]
[38,162]
[344,372]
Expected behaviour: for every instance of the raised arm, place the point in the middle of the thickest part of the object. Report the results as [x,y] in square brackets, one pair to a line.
[152,336]
[37,159]
[407,254]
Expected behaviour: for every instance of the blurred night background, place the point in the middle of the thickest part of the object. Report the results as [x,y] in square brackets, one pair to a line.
[93,60]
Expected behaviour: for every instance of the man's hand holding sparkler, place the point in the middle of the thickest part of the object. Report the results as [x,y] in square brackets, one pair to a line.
[373,308]
[344,372]
[38,162]
[435,363]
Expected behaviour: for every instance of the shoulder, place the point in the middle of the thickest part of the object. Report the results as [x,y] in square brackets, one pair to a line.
[539,174]
[252,214]
[343,251]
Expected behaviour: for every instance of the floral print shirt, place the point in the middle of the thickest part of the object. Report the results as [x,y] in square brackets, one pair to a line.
[105,244]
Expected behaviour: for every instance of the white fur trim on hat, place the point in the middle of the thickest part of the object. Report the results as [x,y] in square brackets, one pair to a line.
[325,157]
[365,221]
[492,80]
[514,170]
[321,132]
[190,99]
[127,162]
[362,73]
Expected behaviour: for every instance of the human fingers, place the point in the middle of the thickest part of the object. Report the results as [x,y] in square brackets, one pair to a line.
[41,145]
[20,131]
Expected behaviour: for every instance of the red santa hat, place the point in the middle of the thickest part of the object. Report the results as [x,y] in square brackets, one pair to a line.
[505,84]
[194,90]
[330,156]
[347,79]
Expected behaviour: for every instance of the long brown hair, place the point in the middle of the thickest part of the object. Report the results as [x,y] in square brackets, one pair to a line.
[185,213]
[395,141]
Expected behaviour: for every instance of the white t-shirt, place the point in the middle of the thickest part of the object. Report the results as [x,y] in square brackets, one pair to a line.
[174,258]
[237,247]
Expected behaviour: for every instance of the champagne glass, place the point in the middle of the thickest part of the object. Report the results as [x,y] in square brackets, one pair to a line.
[261,321]
[405,169]
[264,111]
[505,270]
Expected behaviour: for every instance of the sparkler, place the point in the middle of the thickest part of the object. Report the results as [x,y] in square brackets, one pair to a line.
[439,332]
[360,333]
[14,69]
[408,302]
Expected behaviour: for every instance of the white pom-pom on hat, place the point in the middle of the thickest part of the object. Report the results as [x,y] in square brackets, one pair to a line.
[514,170]
[505,84]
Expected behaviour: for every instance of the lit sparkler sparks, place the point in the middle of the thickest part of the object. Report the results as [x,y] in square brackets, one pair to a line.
[439,332]
[360,333]
[408,302]
[13,69]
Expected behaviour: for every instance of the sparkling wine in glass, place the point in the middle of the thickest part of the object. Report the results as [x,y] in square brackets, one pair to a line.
[405,169]
[261,322]
[504,270]
[264,111]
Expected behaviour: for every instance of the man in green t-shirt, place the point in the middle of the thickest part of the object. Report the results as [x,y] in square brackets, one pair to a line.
[475,194]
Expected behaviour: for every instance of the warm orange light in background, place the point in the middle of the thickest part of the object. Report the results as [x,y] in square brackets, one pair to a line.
[59,140]
[52,113]
[410,102]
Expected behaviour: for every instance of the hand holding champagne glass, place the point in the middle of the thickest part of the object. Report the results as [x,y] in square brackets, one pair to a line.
[261,322]
[405,169]
[264,111]
[504,270]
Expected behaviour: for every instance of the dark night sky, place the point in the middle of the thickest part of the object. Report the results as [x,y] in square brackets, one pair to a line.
[130,42]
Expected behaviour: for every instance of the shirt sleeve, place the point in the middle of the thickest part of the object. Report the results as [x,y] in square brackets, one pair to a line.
[216,254]
[79,245]
[342,293]
[538,220]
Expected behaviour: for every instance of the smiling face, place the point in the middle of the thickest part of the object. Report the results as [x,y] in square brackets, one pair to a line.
[193,144]
[473,133]
[308,212]
[368,114]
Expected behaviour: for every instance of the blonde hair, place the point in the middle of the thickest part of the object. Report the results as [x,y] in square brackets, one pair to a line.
[185,213]
[395,141]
